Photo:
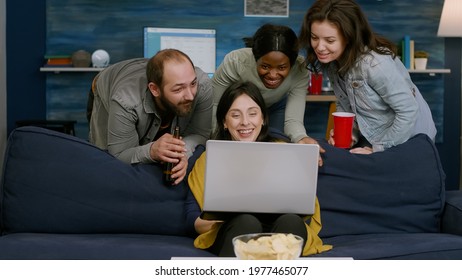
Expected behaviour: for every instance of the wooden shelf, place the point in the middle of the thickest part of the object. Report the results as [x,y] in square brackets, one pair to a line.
[324,97]
[431,72]
[70,69]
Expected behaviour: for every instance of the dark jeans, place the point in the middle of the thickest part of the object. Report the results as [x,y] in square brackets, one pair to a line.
[248,223]
[91,96]
[277,114]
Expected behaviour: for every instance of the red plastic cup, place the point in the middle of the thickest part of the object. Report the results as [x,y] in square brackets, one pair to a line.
[315,83]
[343,128]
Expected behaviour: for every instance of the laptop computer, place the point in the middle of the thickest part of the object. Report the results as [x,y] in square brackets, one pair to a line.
[259,177]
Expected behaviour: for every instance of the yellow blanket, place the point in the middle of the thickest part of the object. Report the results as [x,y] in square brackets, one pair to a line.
[313,245]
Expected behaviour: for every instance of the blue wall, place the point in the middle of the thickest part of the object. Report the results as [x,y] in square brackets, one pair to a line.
[64,26]
[116,26]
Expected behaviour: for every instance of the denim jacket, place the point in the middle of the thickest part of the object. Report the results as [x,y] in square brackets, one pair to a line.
[389,107]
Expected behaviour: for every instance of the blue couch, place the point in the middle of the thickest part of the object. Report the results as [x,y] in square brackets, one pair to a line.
[63,198]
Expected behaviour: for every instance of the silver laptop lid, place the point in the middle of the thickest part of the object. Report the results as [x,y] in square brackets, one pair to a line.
[260,177]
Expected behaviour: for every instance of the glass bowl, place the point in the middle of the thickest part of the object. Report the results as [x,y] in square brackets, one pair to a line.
[267,246]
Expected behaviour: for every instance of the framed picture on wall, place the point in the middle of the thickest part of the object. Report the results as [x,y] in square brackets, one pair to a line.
[266,8]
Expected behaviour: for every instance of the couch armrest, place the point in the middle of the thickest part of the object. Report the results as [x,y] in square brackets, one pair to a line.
[451,221]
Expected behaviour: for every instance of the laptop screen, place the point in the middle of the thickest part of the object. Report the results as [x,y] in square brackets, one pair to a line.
[257,177]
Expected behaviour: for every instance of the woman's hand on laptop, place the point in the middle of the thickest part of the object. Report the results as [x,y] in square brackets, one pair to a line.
[202,226]
[309,140]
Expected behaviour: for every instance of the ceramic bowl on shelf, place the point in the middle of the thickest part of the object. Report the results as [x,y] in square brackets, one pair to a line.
[267,246]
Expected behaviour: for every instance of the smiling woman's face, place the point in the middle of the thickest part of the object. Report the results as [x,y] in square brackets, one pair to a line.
[244,119]
[326,41]
[273,68]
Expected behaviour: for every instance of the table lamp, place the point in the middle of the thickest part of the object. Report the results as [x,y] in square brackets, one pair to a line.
[451,19]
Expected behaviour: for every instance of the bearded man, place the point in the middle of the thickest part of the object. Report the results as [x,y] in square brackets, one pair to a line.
[134,106]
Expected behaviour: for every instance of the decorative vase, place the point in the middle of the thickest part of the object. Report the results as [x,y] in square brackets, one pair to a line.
[81,58]
[420,63]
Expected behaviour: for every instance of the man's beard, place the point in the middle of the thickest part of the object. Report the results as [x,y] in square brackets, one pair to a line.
[180,110]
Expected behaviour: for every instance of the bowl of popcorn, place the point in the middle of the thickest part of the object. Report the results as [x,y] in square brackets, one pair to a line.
[267,246]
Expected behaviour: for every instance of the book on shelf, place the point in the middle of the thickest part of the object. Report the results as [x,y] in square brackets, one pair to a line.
[58,60]
[406,51]
[57,65]
[411,54]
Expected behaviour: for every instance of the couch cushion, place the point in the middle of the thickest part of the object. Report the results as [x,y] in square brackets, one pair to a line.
[406,246]
[451,221]
[39,246]
[396,191]
[58,183]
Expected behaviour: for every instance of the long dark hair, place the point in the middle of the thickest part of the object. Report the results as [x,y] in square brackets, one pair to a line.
[352,24]
[227,100]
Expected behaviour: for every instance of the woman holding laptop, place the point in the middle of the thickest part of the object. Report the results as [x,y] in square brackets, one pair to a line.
[242,116]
